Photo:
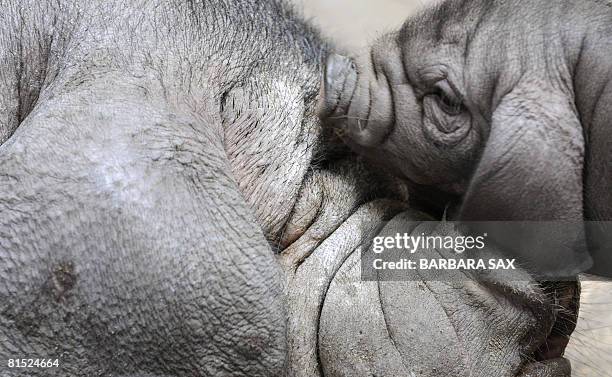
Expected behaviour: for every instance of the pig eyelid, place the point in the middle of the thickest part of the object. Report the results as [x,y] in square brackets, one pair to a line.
[448,97]
[430,75]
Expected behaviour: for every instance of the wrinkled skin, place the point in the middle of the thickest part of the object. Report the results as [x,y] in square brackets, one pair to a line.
[518,126]
[170,206]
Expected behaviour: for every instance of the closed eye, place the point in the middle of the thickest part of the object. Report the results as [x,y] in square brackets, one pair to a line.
[446,98]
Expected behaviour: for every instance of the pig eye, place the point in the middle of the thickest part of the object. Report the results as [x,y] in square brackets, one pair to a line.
[447,98]
[446,119]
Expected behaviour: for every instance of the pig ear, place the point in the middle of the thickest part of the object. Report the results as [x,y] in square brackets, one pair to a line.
[531,166]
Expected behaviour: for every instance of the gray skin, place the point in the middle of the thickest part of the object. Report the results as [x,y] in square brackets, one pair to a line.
[504,106]
[170,206]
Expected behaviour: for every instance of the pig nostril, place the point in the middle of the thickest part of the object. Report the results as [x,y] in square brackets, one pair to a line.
[339,81]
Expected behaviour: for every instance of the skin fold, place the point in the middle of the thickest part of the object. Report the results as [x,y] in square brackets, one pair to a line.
[171,206]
